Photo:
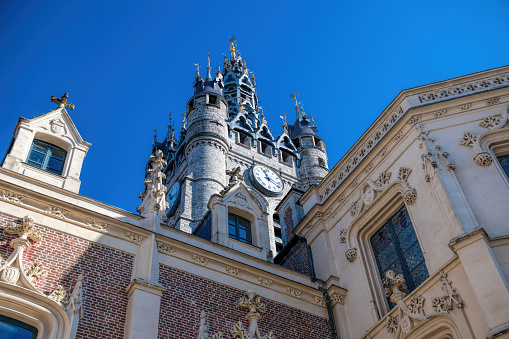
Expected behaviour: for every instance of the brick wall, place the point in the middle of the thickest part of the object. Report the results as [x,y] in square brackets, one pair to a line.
[107,273]
[188,295]
[296,259]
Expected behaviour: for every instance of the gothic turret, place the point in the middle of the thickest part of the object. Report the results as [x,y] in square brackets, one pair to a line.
[313,167]
[206,142]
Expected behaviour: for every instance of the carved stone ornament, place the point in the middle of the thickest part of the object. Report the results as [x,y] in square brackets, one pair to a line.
[491,121]
[62,101]
[416,305]
[320,301]
[154,196]
[393,285]
[200,260]
[264,281]
[445,303]
[203,329]
[342,235]
[440,113]
[351,254]
[404,173]
[433,157]
[368,196]
[293,292]
[410,196]
[134,237]
[383,179]
[12,271]
[354,209]
[469,139]
[56,126]
[464,107]
[492,101]
[12,197]
[483,159]
[97,225]
[57,211]
[231,270]
[165,248]
[392,324]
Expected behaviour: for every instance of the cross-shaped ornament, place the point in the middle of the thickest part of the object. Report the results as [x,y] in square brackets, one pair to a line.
[62,102]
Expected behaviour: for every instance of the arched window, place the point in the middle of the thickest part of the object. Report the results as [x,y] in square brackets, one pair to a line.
[47,157]
[396,248]
[239,228]
[504,163]
[15,329]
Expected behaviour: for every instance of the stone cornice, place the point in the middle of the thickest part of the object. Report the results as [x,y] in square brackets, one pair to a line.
[405,101]
[144,285]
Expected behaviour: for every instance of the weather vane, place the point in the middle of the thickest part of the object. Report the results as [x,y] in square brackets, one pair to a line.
[232,45]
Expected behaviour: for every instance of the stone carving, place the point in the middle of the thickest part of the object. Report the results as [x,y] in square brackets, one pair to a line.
[465,107]
[203,329]
[252,302]
[134,237]
[404,173]
[56,126]
[12,197]
[25,230]
[492,101]
[416,305]
[320,301]
[398,136]
[368,196]
[57,211]
[483,159]
[351,254]
[393,285]
[414,120]
[232,270]
[154,191]
[199,260]
[165,248]
[60,296]
[62,101]
[469,139]
[383,179]
[440,113]
[445,303]
[10,275]
[342,235]
[354,209]
[392,324]
[465,88]
[491,121]
[235,175]
[293,292]
[410,196]
[364,150]
[34,272]
[337,298]
[433,156]
[264,281]
[97,225]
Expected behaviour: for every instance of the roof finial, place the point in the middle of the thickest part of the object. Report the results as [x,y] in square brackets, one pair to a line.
[197,70]
[302,113]
[219,75]
[184,121]
[253,78]
[62,102]
[232,46]
[312,120]
[294,96]
[246,71]
[285,122]
[209,77]
[262,115]
[155,137]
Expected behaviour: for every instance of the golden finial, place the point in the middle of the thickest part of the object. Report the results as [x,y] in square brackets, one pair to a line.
[197,70]
[285,122]
[246,71]
[302,113]
[312,120]
[263,115]
[232,46]
[184,121]
[218,72]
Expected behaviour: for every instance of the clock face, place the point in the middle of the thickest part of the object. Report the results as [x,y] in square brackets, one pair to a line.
[173,198]
[268,181]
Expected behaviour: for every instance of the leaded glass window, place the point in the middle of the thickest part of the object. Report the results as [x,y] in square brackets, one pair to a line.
[396,248]
[47,157]
[504,162]
[239,228]
[14,329]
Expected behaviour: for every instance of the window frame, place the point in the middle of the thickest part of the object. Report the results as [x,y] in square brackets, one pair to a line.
[20,324]
[249,232]
[47,156]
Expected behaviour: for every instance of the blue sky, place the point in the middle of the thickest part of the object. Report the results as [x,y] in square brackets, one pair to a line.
[126,64]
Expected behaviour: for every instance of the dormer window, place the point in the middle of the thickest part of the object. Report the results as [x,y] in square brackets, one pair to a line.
[239,228]
[243,139]
[265,148]
[286,158]
[47,157]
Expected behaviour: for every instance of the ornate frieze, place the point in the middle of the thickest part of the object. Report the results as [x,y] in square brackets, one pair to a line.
[464,107]
[440,113]
[57,211]
[351,254]
[492,101]
[231,270]
[364,149]
[264,281]
[465,88]
[200,260]
[12,197]
[320,301]
[97,225]
[293,292]
[342,235]
[134,237]
[165,248]
[414,120]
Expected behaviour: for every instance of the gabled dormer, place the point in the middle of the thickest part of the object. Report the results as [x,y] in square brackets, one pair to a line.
[48,148]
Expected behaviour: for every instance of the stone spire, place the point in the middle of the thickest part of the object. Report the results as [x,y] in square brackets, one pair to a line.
[209,76]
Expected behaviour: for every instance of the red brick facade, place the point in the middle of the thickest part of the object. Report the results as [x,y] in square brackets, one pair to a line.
[107,273]
[187,295]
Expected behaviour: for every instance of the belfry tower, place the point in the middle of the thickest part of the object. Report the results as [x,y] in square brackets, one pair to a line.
[206,140]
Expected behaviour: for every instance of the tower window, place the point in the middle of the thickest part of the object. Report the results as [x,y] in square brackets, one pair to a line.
[265,148]
[296,142]
[396,248]
[504,163]
[244,139]
[321,162]
[286,158]
[47,157]
[318,143]
[190,105]
[212,100]
[12,328]
[239,228]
